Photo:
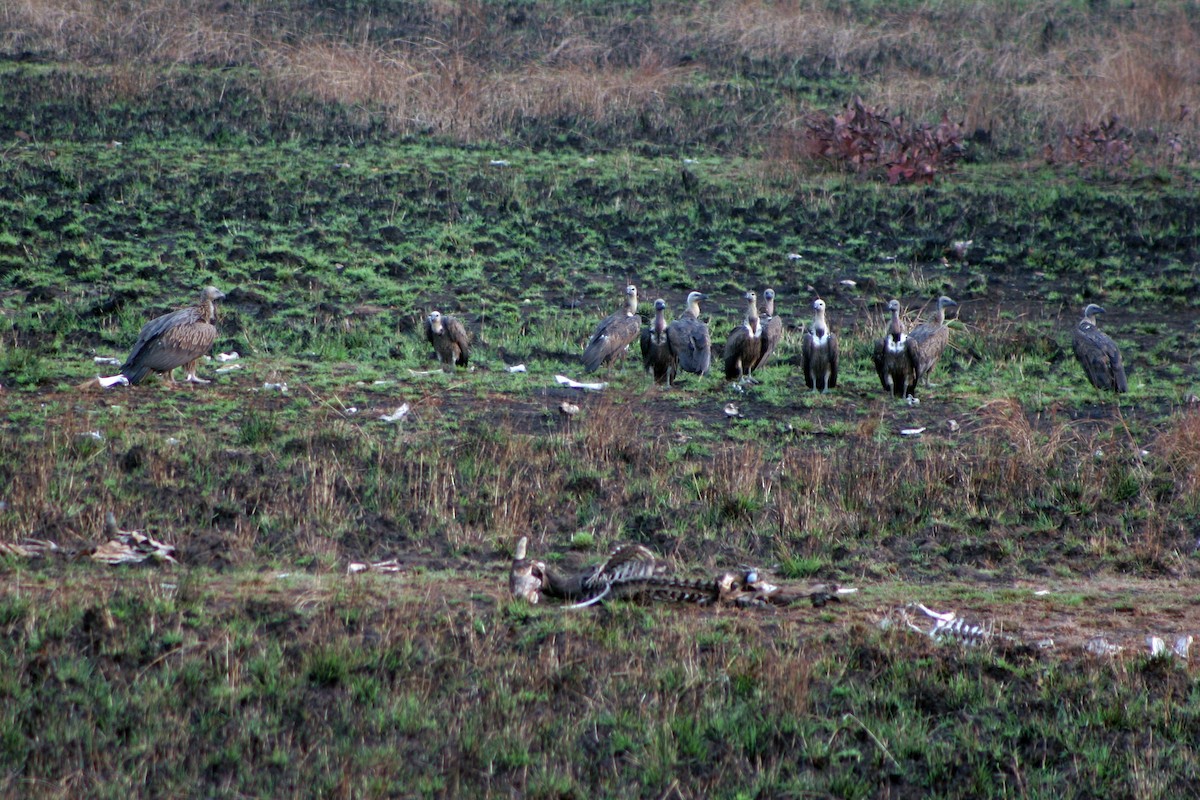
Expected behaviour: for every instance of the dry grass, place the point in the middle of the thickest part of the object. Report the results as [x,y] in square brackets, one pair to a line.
[1020,69]
[1179,447]
[344,492]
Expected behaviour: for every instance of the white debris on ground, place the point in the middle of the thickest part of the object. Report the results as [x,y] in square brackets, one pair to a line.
[516,368]
[397,415]
[731,410]
[30,548]
[223,357]
[97,435]
[124,547]
[130,547]
[355,567]
[947,626]
[570,384]
[912,431]
[112,380]
[959,248]
[230,368]
[1181,648]
[569,409]
[280,387]
[107,361]
[134,547]
[1099,646]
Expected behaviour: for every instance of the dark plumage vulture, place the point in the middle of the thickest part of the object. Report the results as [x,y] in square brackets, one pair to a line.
[819,352]
[744,344]
[772,329]
[449,339]
[1098,354]
[927,341]
[689,338]
[614,333]
[175,340]
[657,357]
[892,363]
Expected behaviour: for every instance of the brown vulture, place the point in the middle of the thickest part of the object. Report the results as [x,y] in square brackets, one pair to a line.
[657,357]
[819,352]
[1098,354]
[689,338]
[614,334]
[927,341]
[772,329]
[449,339]
[744,344]
[175,340]
[891,359]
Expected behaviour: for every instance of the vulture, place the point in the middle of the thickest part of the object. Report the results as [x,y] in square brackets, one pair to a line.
[927,341]
[891,356]
[657,357]
[614,333]
[689,338]
[819,353]
[772,329]
[744,344]
[1098,354]
[449,340]
[175,340]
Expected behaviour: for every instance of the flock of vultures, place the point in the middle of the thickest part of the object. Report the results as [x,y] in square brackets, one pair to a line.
[902,357]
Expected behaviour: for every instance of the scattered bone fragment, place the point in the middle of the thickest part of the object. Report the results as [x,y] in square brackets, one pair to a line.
[390,565]
[397,415]
[633,572]
[1099,646]
[570,384]
[130,547]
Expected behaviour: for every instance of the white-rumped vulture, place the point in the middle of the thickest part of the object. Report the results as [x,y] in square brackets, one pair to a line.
[927,341]
[175,340]
[772,329]
[819,352]
[614,333]
[449,339]
[657,357]
[689,338]
[1098,354]
[892,363]
[744,344]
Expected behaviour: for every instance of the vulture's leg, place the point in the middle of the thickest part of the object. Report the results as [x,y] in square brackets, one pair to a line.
[190,369]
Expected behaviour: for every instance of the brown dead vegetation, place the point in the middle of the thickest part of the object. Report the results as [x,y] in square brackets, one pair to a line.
[478,71]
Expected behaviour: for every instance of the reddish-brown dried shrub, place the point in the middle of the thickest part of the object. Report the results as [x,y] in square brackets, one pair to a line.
[867,139]
[1102,144]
